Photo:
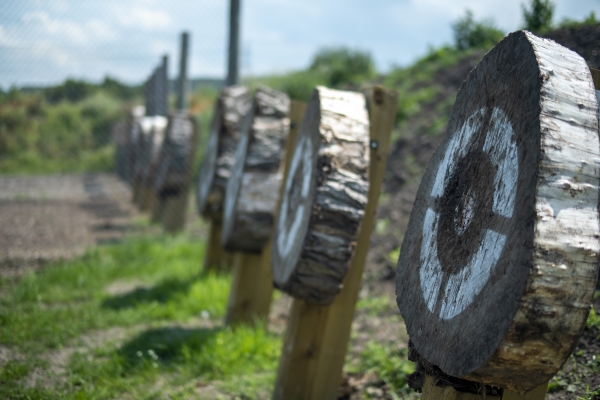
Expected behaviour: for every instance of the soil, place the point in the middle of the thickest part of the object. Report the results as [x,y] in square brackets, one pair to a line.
[47,218]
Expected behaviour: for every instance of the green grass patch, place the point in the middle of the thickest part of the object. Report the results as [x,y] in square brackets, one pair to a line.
[389,364]
[152,290]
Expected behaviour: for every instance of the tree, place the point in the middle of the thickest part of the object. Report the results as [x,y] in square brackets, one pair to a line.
[343,66]
[538,18]
[469,33]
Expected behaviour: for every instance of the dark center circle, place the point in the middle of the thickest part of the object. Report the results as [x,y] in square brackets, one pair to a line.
[465,210]
[294,195]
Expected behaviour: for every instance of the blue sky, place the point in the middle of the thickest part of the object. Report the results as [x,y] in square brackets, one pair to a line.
[45,41]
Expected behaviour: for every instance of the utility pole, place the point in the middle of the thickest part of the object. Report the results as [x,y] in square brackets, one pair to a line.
[234,43]
[182,84]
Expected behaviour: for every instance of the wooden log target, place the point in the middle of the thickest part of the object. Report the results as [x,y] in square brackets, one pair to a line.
[498,265]
[253,187]
[231,107]
[176,155]
[324,197]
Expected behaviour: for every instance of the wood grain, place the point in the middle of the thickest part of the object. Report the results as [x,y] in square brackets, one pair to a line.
[498,265]
[317,336]
[253,187]
[231,107]
[324,197]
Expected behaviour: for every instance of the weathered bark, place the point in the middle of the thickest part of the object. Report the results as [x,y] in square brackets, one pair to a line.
[146,134]
[498,265]
[324,197]
[231,107]
[253,187]
[176,156]
[152,149]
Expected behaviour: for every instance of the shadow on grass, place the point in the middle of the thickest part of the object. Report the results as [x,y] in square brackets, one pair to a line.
[167,346]
[161,293]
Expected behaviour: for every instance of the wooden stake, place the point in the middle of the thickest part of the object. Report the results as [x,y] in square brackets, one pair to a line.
[252,286]
[248,275]
[174,213]
[216,258]
[317,337]
[432,392]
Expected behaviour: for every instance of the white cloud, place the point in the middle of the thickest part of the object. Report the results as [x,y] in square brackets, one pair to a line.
[142,17]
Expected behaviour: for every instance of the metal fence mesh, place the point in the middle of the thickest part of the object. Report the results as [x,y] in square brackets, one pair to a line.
[89,118]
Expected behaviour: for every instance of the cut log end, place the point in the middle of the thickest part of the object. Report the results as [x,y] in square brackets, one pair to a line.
[231,107]
[253,186]
[497,267]
[324,197]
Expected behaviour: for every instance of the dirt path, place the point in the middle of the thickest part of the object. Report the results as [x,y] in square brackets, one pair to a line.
[45,218]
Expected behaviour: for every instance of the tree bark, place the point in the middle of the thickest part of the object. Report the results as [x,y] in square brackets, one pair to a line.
[231,107]
[324,197]
[253,187]
[498,265]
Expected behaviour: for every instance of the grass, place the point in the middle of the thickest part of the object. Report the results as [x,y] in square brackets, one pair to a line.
[133,320]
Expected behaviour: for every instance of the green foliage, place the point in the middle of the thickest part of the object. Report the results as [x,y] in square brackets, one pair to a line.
[538,17]
[331,67]
[153,291]
[390,365]
[593,320]
[343,66]
[36,136]
[469,33]
[376,305]
[587,21]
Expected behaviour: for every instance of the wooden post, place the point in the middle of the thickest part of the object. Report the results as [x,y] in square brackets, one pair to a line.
[174,213]
[248,274]
[317,336]
[432,392]
[216,258]
[182,81]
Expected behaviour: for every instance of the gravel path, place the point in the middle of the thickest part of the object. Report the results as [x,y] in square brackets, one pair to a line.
[45,218]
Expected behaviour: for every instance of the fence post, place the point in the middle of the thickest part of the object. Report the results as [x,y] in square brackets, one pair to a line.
[182,81]
[317,336]
[234,40]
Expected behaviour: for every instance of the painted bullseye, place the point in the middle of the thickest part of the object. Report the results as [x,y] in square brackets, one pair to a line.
[449,287]
[297,190]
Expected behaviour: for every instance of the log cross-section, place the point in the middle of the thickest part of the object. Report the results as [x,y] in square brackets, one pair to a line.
[253,187]
[230,109]
[324,197]
[499,262]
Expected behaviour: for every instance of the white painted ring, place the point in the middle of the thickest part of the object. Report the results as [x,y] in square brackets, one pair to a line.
[463,287]
[287,237]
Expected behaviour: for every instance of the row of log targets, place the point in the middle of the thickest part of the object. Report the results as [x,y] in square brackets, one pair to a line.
[500,258]
[156,149]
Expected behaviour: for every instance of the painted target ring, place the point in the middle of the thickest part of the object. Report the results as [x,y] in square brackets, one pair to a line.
[209,164]
[497,266]
[292,223]
[324,197]
[230,108]
[447,286]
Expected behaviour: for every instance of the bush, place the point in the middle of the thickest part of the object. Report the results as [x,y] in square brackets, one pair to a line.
[469,33]
[538,18]
[342,66]
[571,23]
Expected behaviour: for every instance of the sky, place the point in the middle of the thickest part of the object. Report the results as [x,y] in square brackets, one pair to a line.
[45,41]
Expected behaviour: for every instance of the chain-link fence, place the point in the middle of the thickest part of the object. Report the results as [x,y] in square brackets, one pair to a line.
[102,107]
